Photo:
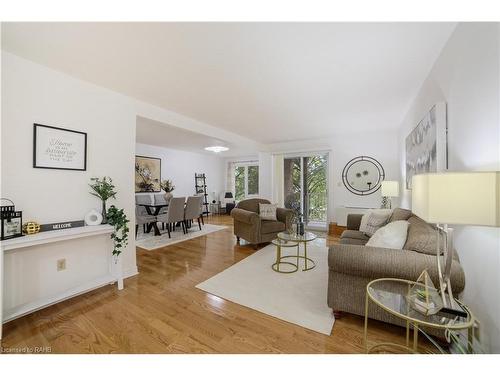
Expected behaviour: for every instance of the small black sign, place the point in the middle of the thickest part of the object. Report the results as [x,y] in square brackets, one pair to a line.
[62,225]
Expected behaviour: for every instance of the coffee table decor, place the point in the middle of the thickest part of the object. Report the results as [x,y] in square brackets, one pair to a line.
[424,297]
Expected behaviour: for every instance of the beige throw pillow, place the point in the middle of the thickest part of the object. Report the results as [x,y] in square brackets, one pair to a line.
[373,220]
[422,237]
[267,211]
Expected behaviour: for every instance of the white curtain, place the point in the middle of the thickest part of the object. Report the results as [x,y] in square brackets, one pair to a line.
[230,178]
[278,179]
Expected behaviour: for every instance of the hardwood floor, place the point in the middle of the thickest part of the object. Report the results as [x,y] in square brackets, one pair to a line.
[161,311]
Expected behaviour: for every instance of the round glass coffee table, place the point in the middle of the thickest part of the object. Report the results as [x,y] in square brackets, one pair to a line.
[390,295]
[309,264]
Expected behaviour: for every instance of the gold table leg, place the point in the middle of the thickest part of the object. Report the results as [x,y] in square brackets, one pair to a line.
[305,255]
[278,257]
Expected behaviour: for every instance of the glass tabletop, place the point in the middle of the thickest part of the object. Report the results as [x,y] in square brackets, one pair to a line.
[284,243]
[306,237]
[391,295]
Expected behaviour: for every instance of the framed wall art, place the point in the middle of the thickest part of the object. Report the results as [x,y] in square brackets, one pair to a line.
[58,148]
[147,174]
[426,145]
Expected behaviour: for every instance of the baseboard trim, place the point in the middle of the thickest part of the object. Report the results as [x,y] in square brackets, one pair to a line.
[130,272]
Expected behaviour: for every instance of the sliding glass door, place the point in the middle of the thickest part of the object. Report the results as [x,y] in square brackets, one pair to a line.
[306,187]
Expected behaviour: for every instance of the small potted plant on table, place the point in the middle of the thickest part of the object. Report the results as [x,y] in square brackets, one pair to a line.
[103,189]
[168,187]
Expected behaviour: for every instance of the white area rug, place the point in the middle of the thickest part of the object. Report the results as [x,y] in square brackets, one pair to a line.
[298,298]
[149,241]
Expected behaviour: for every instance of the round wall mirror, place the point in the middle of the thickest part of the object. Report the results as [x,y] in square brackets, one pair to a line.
[363,175]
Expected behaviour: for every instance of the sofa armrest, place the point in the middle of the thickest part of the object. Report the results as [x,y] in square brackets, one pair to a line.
[354,221]
[245,216]
[284,215]
[376,262]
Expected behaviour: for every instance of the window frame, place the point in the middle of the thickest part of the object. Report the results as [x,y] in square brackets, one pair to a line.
[246,165]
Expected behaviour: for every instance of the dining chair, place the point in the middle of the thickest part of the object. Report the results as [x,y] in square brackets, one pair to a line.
[174,215]
[201,207]
[141,214]
[193,210]
[160,199]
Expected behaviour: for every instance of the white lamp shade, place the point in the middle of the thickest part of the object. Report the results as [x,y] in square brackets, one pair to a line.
[390,188]
[471,198]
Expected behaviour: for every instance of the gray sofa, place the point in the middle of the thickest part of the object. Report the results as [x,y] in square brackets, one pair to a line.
[352,265]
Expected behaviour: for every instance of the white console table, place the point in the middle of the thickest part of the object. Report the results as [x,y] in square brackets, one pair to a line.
[20,243]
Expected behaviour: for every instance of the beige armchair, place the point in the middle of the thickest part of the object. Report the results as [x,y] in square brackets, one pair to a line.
[249,226]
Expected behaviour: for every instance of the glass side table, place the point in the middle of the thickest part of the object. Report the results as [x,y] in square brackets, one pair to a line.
[309,263]
[390,295]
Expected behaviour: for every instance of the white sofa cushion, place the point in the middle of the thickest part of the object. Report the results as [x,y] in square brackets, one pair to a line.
[391,236]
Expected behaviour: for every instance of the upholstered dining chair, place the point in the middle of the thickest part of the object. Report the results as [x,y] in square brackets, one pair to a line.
[193,210]
[174,215]
[160,199]
[141,214]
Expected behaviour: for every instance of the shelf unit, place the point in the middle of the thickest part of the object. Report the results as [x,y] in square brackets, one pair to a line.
[200,187]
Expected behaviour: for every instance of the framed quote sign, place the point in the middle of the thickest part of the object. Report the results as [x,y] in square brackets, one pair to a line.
[58,148]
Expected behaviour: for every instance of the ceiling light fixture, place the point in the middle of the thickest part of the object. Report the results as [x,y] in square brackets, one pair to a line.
[216,149]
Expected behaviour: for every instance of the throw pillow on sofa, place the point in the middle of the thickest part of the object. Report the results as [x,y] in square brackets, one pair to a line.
[373,220]
[422,237]
[268,211]
[390,236]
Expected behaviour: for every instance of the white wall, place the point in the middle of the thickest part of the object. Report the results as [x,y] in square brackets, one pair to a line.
[180,167]
[466,76]
[34,94]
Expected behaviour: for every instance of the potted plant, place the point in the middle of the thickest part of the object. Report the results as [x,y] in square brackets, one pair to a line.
[167,186]
[103,189]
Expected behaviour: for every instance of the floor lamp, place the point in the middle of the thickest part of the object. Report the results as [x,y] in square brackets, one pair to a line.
[465,198]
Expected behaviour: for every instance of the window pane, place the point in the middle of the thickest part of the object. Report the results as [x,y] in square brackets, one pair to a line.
[316,184]
[253,180]
[239,183]
[292,188]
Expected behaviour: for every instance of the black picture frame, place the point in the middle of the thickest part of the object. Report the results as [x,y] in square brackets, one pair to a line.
[159,177]
[35,162]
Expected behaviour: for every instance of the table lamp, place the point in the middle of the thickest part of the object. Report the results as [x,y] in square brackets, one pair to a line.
[389,189]
[462,198]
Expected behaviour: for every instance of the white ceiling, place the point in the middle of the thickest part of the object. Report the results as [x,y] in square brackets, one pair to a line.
[157,133]
[269,82]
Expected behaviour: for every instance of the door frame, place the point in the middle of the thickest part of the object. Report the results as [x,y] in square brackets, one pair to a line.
[301,155]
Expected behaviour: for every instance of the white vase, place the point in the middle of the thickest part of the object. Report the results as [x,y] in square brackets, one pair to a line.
[168,196]
[94,217]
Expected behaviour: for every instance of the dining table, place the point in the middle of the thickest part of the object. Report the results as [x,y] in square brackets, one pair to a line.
[154,210]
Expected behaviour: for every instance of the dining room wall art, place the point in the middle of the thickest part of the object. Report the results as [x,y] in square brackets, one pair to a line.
[426,145]
[59,148]
[147,174]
